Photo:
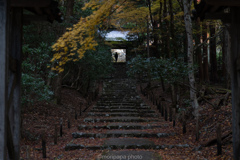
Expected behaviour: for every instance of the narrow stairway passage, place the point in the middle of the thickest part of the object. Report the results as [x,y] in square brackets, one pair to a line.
[126,127]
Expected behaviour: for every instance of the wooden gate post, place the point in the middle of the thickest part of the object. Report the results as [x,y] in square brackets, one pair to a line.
[3,77]
[14,78]
[10,80]
[235,79]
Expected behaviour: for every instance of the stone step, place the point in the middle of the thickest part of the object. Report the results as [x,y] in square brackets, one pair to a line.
[121,107]
[120,126]
[114,97]
[117,143]
[122,99]
[129,143]
[120,119]
[124,110]
[124,114]
[129,155]
[116,90]
[120,103]
[121,133]
[124,143]
[120,95]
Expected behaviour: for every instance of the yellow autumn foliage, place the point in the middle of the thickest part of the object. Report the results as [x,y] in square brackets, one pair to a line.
[80,38]
[74,43]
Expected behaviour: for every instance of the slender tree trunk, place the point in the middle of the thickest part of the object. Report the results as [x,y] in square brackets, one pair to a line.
[150,11]
[154,32]
[175,101]
[167,34]
[213,57]
[148,37]
[69,8]
[199,52]
[224,72]
[172,30]
[227,52]
[205,53]
[162,83]
[188,26]
[161,29]
[185,47]
[155,40]
[58,88]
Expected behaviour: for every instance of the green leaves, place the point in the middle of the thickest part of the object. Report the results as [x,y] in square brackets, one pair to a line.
[84,72]
[171,70]
[34,68]
[34,89]
[96,64]
[36,59]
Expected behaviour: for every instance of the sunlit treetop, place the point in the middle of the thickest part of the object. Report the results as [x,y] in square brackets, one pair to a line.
[72,45]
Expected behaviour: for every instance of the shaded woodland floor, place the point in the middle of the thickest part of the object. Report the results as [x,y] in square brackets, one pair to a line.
[210,117]
[42,118]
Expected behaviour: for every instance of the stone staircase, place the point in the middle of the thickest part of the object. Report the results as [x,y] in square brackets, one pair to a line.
[124,123]
[120,70]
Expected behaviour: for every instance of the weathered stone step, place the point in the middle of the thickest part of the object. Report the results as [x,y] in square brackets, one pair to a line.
[120,119]
[119,87]
[129,155]
[121,133]
[129,143]
[113,143]
[124,114]
[117,103]
[124,110]
[119,126]
[115,98]
[117,143]
[114,92]
[121,107]
[121,95]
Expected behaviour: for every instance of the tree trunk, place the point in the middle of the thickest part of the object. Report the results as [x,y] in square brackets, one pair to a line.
[58,88]
[174,99]
[188,26]
[199,52]
[162,83]
[205,53]
[167,34]
[174,45]
[148,37]
[174,102]
[213,57]
[185,47]
[224,72]
[227,52]
[161,29]
[69,8]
